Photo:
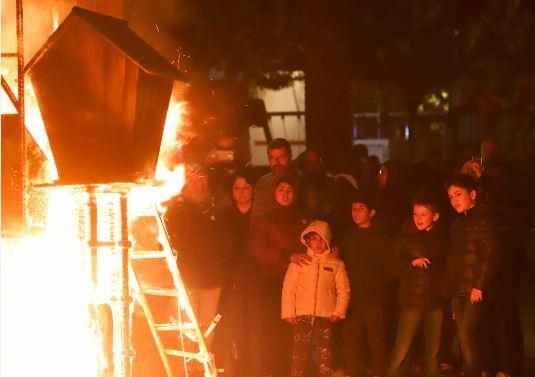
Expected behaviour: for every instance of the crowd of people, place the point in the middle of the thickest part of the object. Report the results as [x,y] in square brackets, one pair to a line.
[374,269]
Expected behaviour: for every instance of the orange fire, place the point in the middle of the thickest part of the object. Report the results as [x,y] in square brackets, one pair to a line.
[47,329]
[36,127]
[169,170]
[6,106]
[46,285]
[33,120]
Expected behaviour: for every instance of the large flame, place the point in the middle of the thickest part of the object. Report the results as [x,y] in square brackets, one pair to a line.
[169,169]
[33,120]
[46,282]
[47,329]
[36,127]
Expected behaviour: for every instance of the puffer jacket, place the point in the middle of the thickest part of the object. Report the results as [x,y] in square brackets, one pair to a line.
[419,287]
[319,289]
[474,252]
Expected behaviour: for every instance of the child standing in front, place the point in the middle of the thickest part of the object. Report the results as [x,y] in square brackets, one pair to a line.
[364,249]
[418,259]
[315,296]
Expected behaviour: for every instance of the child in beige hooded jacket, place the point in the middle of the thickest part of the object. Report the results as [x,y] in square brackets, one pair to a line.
[313,297]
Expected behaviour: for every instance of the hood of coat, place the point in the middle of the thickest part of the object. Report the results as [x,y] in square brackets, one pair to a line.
[321,228]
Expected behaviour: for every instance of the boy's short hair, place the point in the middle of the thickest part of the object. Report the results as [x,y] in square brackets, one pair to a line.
[278,143]
[366,198]
[286,178]
[464,181]
[427,199]
[309,234]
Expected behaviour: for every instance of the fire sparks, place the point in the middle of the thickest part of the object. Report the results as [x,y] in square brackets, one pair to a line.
[168,159]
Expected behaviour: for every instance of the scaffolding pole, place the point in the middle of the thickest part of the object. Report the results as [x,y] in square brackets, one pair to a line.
[20,82]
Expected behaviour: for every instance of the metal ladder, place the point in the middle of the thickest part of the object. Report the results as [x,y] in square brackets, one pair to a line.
[155,278]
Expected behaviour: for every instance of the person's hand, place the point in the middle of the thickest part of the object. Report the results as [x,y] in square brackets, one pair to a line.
[301,259]
[477,169]
[335,251]
[476,295]
[334,318]
[421,263]
[472,168]
[291,321]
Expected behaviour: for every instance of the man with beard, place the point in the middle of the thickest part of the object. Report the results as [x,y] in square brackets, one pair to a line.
[280,157]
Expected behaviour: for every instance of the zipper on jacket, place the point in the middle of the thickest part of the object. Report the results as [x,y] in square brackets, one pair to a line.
[316,290]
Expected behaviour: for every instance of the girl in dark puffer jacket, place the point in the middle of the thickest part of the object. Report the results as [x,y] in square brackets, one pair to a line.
[472,261]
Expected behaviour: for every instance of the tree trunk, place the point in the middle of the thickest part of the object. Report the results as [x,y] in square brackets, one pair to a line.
[327,77]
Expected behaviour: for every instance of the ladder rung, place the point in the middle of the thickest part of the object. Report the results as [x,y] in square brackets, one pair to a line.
[167,327]
[169,292]
[174,326]
[186,331]
[190,355]
[147,254]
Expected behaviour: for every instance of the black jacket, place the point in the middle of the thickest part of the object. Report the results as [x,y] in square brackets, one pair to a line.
[364,251]
[195,234]
[235,228]
[419,287]
[474,251]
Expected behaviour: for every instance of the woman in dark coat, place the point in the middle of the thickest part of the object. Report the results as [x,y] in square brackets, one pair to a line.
[275,243]
[240,302]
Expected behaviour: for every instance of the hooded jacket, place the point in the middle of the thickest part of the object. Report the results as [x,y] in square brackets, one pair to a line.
[319,289]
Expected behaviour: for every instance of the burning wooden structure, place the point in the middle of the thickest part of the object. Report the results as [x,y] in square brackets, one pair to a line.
[104,96]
